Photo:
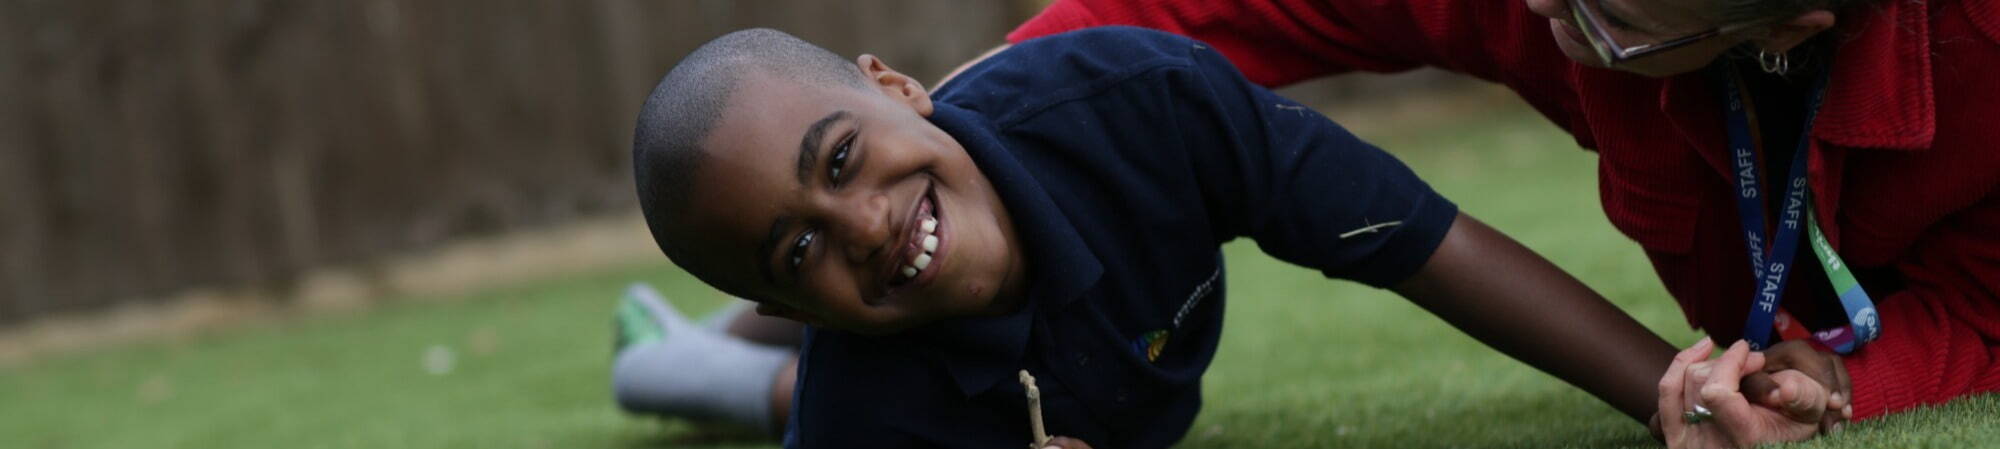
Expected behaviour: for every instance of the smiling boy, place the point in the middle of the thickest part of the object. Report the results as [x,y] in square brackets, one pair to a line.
[1057,208]
[828,222]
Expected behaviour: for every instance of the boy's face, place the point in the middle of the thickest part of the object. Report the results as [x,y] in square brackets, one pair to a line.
[815,199]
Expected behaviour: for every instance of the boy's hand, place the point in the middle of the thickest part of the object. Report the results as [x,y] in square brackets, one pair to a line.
[1066,443]
[1821,367]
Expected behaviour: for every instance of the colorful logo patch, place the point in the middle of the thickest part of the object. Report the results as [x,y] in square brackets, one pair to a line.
[1151,344]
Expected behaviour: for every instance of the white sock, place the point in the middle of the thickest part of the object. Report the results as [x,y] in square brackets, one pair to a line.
[719,321]
[695,372]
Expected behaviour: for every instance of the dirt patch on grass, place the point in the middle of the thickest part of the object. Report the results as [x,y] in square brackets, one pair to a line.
[448,271]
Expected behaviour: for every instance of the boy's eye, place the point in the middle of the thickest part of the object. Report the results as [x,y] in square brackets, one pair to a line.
[838,162]
[798,253]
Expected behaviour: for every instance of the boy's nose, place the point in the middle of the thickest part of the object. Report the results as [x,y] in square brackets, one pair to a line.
[863,227]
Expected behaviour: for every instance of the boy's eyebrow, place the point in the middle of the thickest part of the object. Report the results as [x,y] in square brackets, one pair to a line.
[763,255]
[809,146]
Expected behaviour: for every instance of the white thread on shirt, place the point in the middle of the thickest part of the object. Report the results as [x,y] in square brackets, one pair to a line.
[1370,229]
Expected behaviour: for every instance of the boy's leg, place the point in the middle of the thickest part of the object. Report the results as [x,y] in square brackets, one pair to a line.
[720,320]
[781,394]
[740,319]
[667,365]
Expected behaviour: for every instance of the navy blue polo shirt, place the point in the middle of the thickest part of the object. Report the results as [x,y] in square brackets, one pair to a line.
[1126,157]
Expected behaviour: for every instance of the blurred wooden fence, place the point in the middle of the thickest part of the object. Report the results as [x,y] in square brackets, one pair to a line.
[149,146]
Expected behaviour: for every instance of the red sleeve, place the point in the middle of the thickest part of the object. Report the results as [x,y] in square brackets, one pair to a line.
[1940,336]
[1278,42]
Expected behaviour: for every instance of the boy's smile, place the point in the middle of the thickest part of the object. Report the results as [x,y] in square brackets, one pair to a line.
[915,262]
[844,207]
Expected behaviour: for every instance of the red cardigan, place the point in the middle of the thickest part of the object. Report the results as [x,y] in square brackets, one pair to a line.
[1904,164]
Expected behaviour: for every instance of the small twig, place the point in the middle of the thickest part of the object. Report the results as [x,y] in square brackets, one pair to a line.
[1369,229]
[1035,411]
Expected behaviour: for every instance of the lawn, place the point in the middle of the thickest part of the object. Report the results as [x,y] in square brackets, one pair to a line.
[1305,362]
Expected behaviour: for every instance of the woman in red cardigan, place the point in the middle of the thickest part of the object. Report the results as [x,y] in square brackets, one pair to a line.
[1846,145]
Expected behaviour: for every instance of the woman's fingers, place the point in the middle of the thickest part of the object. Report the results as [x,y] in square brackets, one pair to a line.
[1671,387]
[1698,352]
[1734,416]
[1697,375]
[1725,374]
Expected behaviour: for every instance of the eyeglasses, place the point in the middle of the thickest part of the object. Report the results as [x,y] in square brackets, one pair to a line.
[1595,28]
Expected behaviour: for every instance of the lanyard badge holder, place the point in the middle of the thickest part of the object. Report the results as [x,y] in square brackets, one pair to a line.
[1770,266]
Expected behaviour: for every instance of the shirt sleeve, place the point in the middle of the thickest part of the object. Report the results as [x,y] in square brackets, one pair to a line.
[1941,334]
[1279,42]
[1304,188]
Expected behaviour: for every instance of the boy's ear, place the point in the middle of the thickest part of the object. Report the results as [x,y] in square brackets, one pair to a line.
[1790,33]
[896,85]
[786,312]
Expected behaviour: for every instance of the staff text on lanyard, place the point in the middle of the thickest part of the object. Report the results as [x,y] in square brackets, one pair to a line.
[1770,262]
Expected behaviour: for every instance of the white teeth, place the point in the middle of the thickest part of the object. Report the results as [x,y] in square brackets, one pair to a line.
[928,243]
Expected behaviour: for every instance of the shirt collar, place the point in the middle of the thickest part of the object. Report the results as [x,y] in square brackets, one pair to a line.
[980,351]
[1880,94]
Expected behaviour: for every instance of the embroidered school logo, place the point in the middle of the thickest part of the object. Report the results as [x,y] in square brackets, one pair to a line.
[1151,344]
[1194,298]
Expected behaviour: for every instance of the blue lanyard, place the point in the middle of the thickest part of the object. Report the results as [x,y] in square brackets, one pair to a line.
[1771,267]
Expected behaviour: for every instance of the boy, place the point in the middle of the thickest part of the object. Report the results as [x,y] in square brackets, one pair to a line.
[1057,208]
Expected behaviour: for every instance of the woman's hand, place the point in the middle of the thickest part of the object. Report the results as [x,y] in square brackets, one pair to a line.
[1691,382]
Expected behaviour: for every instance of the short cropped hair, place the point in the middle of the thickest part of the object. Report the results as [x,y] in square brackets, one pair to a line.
[686,104]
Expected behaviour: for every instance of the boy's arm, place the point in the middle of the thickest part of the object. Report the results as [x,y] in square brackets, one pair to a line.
[1314,195]
[1503,294]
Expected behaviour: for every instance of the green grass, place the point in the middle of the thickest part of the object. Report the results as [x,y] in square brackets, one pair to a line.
[1306,362]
